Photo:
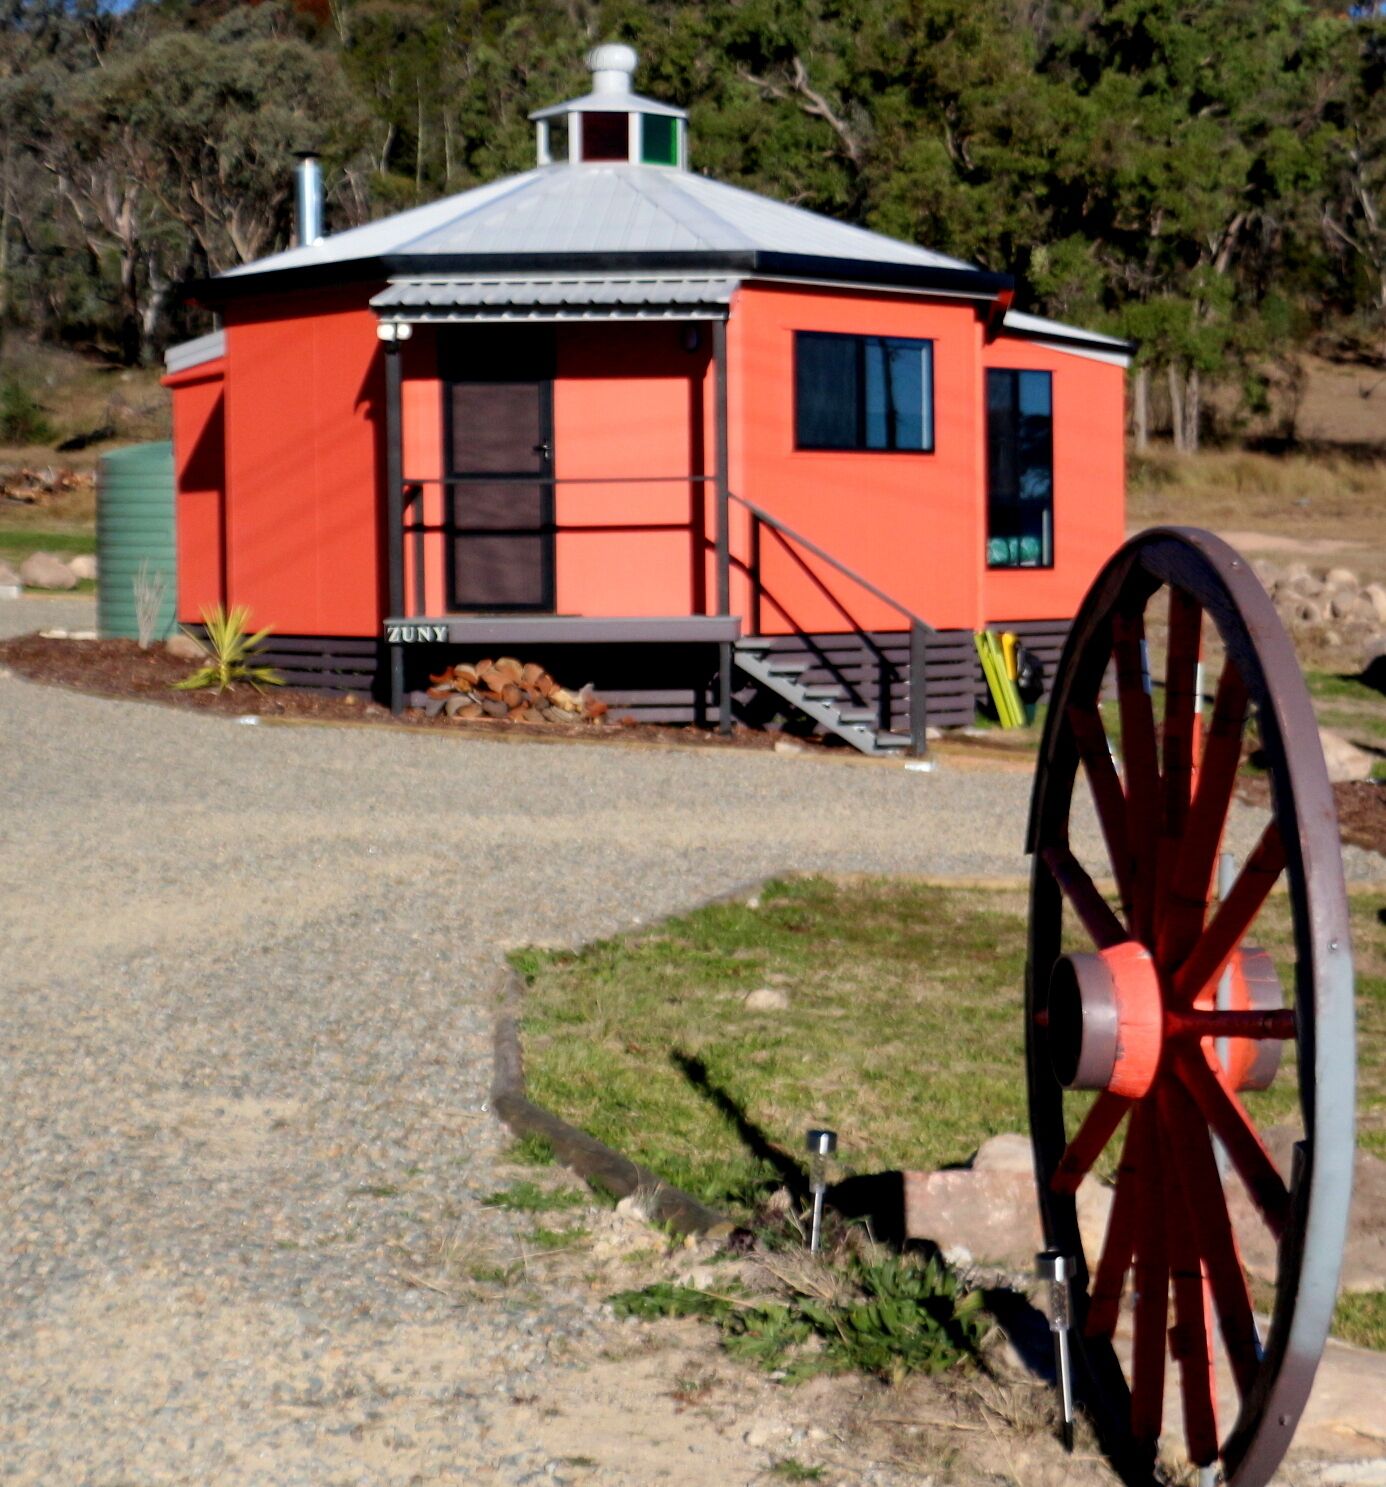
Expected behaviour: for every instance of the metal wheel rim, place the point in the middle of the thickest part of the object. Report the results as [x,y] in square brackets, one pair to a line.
[1309,1257]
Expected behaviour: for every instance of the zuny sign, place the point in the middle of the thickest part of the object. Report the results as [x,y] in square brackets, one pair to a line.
[412,634]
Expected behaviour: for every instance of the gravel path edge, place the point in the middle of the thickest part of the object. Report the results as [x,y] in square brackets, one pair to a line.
[592,1160]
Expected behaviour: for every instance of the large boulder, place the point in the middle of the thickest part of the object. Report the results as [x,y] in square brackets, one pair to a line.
[83,565]
[41,570]
[1340,578]
[1345,761]
[1375,595]
[9,577]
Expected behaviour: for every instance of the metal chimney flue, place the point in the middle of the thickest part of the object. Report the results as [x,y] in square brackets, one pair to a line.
[307,200]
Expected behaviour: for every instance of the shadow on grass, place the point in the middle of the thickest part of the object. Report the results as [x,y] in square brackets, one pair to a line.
[790,1172]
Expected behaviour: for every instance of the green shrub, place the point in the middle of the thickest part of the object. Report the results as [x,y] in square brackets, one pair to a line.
[902,1316]
[231,652]
[22,420]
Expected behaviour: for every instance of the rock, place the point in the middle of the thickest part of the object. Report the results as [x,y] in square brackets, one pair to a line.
[991,1214]
[1295,572]
[1345,760]
[1306,585]
[1364,1255]
[766,999]
[1306,614]
[1374,665]
[989,1209]
[788,746]
[1008,1152]
[83,565]
[1375,595]
[41,570]
[1341,578]
[1351,605]
[9,577]
[764,1433]
[184,647]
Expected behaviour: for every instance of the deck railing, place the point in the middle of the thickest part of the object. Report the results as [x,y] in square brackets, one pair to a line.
[891,683]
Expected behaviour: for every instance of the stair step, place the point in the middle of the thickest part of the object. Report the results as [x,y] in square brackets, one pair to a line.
[892,741]
[785,668]
[822,691]
[857,714]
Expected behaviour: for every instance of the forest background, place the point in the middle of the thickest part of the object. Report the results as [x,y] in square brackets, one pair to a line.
[1205,177]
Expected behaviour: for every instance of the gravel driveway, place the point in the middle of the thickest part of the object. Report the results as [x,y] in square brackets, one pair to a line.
[245,1055]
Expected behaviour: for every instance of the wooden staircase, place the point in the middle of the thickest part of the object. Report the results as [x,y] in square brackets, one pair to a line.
[829,704]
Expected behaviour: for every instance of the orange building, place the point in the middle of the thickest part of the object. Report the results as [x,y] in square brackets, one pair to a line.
[713,453]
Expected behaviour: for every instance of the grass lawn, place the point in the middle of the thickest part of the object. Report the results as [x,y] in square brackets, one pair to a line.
[902,1032]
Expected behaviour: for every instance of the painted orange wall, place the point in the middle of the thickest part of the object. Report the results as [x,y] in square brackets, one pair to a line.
[630,400]
[199,465]
[1089,483]
[305,461]
[421,420]
[910,523]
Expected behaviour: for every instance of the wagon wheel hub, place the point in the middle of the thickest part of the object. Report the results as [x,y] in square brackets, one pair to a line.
[1106,1020]
[1111,1022]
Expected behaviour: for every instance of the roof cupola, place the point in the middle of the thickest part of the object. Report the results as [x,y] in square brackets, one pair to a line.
[611,123]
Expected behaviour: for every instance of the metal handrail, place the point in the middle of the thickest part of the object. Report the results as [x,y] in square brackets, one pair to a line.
[918,626]
[773,521]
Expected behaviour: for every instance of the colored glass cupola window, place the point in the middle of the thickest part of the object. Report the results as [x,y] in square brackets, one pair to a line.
[612,123]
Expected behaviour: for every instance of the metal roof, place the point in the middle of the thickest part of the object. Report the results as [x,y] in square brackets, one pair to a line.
[1070,338]
[590,210]
[188,354]
[606,103]
[555,298]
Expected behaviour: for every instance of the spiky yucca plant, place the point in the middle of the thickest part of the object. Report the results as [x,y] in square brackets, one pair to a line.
[231,651]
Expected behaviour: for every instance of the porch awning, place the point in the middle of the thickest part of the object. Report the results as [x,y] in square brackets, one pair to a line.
[471,300]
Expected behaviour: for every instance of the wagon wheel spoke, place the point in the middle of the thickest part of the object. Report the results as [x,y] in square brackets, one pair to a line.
[1080,890]
[1226,1115]
[1142,770]
[1108,796]
[1119,1245]
[1098,1128]
[1152,1290]
[1206,1204]
[1187,899]
[1191,1336]
[1181,706]
[1234,916]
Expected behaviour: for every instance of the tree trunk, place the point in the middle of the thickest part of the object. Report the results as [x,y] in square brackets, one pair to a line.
[1176,408]
[1193,408]
[1140,409]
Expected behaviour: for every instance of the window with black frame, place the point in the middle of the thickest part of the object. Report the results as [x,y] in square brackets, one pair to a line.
[863,392]
[1020,470]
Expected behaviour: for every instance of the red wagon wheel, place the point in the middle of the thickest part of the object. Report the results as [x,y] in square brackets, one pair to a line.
[1136,1017]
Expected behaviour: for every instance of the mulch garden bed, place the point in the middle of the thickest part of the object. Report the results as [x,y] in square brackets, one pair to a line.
[120,669]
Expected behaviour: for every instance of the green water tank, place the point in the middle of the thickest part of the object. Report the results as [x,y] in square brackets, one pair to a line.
[135,550]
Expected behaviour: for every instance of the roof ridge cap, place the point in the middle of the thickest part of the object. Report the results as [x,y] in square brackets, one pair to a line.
[671,180]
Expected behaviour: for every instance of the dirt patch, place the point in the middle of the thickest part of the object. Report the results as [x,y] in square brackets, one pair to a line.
[120,669]
[1361,809]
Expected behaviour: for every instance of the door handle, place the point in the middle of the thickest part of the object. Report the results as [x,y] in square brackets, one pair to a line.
[543,448]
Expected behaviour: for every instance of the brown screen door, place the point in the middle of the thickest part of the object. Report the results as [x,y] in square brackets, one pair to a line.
[501,536]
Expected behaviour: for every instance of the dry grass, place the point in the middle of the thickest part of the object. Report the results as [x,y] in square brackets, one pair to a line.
[80,394]
[1328,503]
